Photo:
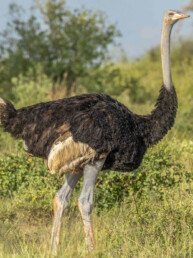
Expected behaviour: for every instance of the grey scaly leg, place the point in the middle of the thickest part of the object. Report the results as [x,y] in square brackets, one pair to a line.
[85,201]
[61,200]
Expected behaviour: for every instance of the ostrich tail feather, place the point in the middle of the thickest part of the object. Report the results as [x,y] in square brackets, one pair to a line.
[7,113]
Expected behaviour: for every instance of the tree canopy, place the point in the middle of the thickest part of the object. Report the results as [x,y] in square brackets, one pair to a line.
[65,42]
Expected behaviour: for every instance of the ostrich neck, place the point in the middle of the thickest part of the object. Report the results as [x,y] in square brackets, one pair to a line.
[165,55]
[162,117]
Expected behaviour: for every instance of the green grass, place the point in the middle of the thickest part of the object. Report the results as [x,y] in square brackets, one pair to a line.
[139,227]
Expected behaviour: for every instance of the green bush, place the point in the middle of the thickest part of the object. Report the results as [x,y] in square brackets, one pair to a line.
[28,91]
[33,187]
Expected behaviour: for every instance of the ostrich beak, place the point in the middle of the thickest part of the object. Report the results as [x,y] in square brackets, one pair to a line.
[181,16]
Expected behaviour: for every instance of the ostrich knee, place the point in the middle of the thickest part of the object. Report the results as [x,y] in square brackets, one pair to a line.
[85,207]
[59,203]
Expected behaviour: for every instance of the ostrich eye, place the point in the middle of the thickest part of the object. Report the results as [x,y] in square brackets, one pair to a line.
[171,14]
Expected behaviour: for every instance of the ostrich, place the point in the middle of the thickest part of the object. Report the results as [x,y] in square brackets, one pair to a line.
[85,134]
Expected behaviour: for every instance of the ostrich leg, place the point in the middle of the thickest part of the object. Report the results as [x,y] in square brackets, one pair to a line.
[85,201]
[61,200]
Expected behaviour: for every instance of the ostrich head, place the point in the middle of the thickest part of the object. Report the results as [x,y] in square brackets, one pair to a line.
[172,16]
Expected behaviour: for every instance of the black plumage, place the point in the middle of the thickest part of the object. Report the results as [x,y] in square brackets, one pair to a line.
[100,121]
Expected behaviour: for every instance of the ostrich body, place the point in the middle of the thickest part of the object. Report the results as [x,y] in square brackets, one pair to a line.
[89,133]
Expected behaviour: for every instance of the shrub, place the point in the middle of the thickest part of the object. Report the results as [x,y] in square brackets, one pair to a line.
[28,180]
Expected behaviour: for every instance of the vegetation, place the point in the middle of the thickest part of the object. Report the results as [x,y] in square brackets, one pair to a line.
[143,214]
[64,42]
[147,213]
